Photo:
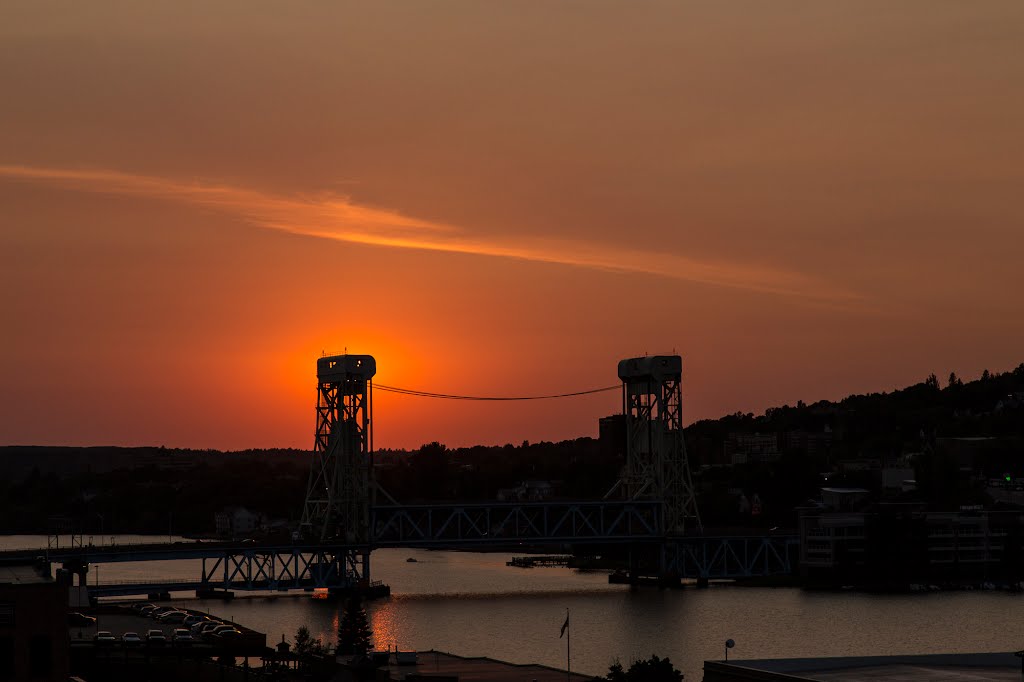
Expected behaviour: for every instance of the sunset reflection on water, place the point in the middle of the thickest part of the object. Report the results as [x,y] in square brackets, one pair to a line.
[385,624]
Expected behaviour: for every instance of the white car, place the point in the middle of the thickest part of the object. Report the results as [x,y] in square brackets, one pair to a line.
[200,629]
[182,637]
[214,633]
[172,617]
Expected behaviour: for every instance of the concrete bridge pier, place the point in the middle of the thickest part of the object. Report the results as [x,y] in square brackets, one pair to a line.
[667,576]
[634,567]
[78,568]
[214,593]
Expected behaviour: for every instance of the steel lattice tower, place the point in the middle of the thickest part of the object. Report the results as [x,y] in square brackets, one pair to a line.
[338,500]
[656,462]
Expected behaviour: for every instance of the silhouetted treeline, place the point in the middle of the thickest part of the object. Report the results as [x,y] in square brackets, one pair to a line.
[147,490]
[121,490]
[950,433]
[574,469]
[883,424]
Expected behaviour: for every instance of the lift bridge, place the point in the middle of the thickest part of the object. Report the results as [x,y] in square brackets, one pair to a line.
[346,515]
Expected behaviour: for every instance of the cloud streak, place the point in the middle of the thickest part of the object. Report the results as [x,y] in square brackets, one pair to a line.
[334,217]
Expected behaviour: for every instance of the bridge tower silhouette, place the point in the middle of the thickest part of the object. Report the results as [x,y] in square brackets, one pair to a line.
[341,497]
[657,467]
[653,506]
[340,491]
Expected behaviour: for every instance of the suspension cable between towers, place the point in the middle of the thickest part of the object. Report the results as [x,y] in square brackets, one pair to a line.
[449,396]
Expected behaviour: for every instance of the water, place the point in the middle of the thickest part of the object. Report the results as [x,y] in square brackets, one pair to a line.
[472,604]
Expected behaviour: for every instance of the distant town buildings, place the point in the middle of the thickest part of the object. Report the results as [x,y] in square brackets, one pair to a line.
[812,443]
[741,448]
[527,491]
[165,460]
[235,522]
[612,435]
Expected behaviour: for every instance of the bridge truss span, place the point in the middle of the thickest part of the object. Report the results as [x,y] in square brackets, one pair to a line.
[516,522]
[282,569]
[731,557]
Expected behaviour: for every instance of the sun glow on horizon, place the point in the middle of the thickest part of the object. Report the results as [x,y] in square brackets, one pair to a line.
[490,201]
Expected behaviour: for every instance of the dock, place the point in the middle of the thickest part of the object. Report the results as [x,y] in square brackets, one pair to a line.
[540,560]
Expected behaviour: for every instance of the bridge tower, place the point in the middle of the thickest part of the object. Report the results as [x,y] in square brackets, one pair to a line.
[337,508]
[656,462]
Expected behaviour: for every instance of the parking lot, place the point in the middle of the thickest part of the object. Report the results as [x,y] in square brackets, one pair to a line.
[118,620]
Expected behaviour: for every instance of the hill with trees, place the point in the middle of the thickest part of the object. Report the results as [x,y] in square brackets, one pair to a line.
[778,459]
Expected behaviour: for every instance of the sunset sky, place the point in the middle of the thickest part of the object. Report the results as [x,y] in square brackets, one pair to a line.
[197,199]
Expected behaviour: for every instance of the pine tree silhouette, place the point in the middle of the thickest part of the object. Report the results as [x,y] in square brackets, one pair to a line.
[354,634]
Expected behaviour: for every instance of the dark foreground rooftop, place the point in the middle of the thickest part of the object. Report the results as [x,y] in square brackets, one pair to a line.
[995,667]
[23,574]
[437,664]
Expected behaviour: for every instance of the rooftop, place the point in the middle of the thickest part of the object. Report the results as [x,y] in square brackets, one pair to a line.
[479,669]
[22,574]
[991,667]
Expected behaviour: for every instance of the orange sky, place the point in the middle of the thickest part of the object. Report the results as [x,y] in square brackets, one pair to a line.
[197,198]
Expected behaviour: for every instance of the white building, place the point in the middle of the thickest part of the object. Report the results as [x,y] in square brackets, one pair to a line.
[238,522]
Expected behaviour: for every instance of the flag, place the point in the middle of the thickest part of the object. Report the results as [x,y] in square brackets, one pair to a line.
[565,625]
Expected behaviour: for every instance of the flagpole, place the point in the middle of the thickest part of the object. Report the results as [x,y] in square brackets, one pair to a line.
[568,660]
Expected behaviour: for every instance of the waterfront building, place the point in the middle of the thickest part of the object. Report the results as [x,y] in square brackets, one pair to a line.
[904,544]
[33,624]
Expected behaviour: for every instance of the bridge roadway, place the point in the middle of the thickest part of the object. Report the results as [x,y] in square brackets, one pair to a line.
[248,565]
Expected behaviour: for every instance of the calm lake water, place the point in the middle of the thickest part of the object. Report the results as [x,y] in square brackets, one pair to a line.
[472,604]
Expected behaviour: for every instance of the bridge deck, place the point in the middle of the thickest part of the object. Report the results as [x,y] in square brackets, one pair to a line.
[276,565]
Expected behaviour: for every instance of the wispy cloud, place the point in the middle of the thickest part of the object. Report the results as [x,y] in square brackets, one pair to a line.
[334,217]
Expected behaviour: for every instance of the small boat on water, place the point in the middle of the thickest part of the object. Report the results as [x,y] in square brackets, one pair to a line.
[411,560]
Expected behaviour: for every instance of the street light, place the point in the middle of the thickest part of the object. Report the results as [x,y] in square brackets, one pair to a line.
[728,645]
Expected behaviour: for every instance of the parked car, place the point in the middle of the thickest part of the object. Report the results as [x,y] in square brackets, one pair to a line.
[192,619]
[200,629]
[80,619]
[131,639]
[159,611]
[228,634]
[141,605]
[148,610]
[156,638]
[104,638]
[213,633]
[182,637]
[172,617]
